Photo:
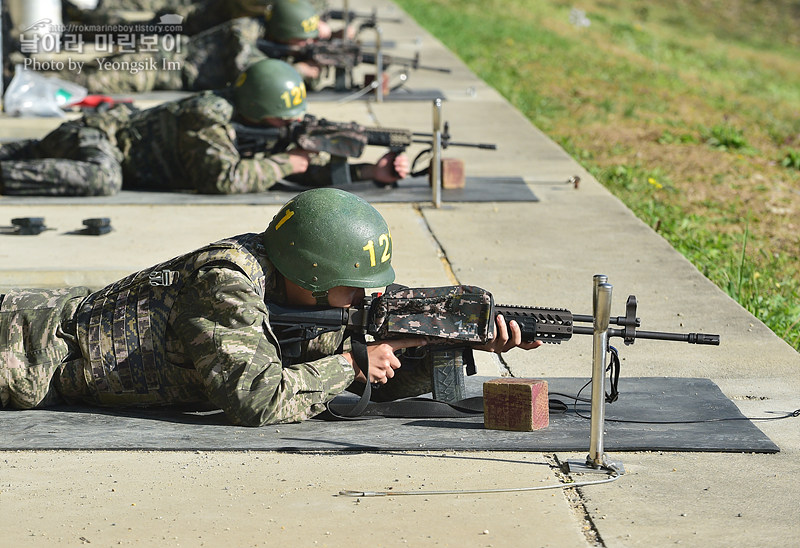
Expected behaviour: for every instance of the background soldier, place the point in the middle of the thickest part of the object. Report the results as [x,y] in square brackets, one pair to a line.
[209,60]
[198,15]
[198,325]
[188,144]
[295,23]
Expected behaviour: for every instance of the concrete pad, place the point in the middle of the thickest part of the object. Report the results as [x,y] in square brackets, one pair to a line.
[147,235]
[247,499]
[694,500]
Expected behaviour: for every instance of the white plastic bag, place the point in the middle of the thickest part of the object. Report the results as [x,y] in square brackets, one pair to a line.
[32,94]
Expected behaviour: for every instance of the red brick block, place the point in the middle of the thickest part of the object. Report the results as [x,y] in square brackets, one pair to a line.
[453,173]
[515,404]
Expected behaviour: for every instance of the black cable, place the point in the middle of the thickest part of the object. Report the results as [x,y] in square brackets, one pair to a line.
[795,413]
[614,369]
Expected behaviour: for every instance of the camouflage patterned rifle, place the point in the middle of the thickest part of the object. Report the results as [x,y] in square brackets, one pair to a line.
[344,139]
[451,316]
[454,315]
[339,54]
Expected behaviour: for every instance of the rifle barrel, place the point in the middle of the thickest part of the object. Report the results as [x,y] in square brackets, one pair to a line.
[436,69]
[485,146]
[691,338]
[338,15]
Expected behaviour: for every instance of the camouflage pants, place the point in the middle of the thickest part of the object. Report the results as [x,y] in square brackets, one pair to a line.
[73,160]
[198,15]
[111,12]
[146,5]
[33,344]
[210,60]
[134,72]
[205,14]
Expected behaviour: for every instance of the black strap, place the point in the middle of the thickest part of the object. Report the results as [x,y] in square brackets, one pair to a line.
[427,408]
[359,353]
[417,408]
[613,375]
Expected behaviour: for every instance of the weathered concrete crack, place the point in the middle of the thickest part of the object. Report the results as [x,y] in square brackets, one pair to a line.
[503,366]
[577,502]
[442,254]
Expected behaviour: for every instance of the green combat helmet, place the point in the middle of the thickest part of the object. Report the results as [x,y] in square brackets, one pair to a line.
[326,237]
[270,88]
[290,20]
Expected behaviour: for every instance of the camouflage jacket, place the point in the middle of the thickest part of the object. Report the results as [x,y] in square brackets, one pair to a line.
[200,15]
[196,329]
[190,145]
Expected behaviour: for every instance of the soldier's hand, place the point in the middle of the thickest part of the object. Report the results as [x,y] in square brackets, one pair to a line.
[382,359]
[324,30]
[299,160]
[308,71]
[348,33]
[391,168]
[504,340]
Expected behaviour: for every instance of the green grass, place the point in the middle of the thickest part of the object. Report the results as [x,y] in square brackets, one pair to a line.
[715,83]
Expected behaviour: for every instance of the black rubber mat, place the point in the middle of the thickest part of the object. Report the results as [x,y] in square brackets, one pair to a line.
[671,414]
[415,190]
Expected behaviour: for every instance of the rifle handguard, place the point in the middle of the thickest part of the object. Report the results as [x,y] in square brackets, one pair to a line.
[549,325]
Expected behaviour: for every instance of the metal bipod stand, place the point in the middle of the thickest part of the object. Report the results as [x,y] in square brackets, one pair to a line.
[379,64]
[601,309]
[436,154]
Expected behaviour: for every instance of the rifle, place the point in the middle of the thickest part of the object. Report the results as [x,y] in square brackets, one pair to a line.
[339,54]
[459,315]
[451,316]
[370,20]
[345,139]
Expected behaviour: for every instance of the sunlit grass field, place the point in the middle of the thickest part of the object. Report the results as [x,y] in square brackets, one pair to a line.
[688,110]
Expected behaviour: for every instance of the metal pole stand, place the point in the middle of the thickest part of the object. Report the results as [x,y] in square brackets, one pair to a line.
[601,310]
[346,15]
[436,154]
[379,64]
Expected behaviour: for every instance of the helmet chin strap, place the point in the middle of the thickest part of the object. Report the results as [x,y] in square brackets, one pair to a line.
[321,297]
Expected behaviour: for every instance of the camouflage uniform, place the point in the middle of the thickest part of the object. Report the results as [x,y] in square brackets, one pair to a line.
[191,329]
[198,15]
[33,343]
[210,60]
[73,160]
[139,5]
[180,145]
[204,14]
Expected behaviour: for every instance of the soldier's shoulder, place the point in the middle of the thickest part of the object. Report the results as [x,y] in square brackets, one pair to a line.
[210,105]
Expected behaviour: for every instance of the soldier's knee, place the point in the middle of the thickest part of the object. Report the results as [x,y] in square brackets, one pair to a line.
[106,169]
[107,184]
